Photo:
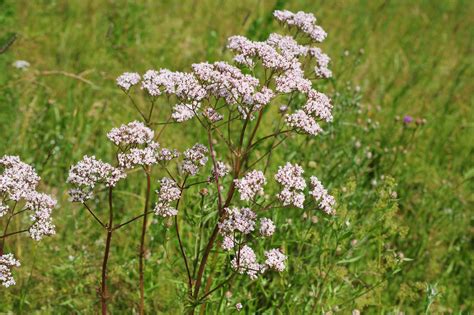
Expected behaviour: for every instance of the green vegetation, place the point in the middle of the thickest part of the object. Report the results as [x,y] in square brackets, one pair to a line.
[402,239]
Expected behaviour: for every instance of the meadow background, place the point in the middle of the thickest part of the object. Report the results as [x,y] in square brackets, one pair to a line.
[389,58]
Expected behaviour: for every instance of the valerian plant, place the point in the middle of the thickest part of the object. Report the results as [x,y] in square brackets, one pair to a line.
[235,106]
[20,200]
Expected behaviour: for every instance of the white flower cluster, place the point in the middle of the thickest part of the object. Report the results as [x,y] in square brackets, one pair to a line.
[18,181]
[275,259]
[245,261]
[87,173]
[238,223]
[322,62]
[7,261]
[133,133]
[267,227]
[290,177]
[305,22]
[194,159]
[326,201]
[146,156]
[21,64]
[278,53]
[221,170]
[127,80]
[167,155]
[212,115]
[238,220]
[223,80]
[183,85]
[249,50]
[168,192]
[3,209]
[250,185]
[41,205]
[183,112]
[303,122]
[281,53]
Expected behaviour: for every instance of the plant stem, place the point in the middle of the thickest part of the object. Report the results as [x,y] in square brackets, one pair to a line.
[142,244]
[103,289]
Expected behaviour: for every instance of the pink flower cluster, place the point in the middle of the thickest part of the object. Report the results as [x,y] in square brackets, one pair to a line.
[180,84]
[168,192]
[305,22]
[238,223]
[18,181]
[133,133]
[135,141]
[326,201]
[245,261]
[290,177]
[7,262]
[41,205]
[194,159]
[127,80]
[221,170]
[250,185]
[87,173]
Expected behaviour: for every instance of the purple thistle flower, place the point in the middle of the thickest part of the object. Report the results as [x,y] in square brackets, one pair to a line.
[407,119]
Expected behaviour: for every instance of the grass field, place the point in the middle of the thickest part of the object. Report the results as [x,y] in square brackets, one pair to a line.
[389,58]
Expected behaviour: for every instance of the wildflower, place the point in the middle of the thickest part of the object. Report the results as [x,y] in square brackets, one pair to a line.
[287,46]
[305,22]
[222,80]
[238,219]
[183,112]
[168,192]
[326,201]
[221,170]
[275,259]
[267,227]
[21,64]
[303,122]
[322,60]
[228,242]
[18,179]
[127,80]
[3,209]
[319,105]
[194,158]
[248,50]
[183,85]
[250,185]
[7,261]
[133,133]
[212,115]
[289,176]
[238,307]
[147,156]
[87,173]
[42,206]
[167,155]
[292,80]
[245,261]
[407,119]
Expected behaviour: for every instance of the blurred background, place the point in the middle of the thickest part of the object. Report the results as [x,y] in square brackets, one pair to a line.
[403,96]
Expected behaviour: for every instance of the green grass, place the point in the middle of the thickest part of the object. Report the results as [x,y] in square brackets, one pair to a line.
[407,57]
